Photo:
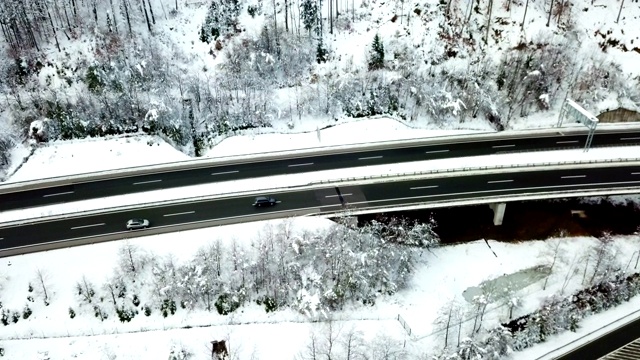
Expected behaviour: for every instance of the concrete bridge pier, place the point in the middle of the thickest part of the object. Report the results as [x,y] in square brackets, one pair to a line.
[498,212]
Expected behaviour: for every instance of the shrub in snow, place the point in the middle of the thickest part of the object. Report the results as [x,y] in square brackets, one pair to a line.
[269,303]
[72,313]
[30,289]
[147,310]
[6,313]
[30,298]
[26,312]
[135,300]
[100,313]
[15,317]
[179,352]
[559,314]
[125,315]
[226,304]
[85,290]
[1,351]
[167,307]
[322,54]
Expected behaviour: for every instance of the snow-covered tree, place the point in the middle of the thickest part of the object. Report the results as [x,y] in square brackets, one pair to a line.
[376,54]
[447,318]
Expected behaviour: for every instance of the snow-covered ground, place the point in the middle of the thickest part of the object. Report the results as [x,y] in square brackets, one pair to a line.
[442,275]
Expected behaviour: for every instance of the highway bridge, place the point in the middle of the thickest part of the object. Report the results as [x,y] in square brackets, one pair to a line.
[91,186]
[445,189]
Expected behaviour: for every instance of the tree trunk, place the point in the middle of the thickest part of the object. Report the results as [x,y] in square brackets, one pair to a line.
[126,12]
[113,13]
[286,15]
[74,6]
[526,7]
[330,17]
[153,18]
[620,11]
[55,35]
[550,11]
[146,15]
[490,10]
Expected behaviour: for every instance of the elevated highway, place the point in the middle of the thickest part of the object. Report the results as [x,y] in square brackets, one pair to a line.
[447,189]
[97,185]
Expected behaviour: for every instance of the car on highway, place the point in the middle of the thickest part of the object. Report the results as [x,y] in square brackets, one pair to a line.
[264,201]
[135,224]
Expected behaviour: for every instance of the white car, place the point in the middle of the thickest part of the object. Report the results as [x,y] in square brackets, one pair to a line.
[134,224]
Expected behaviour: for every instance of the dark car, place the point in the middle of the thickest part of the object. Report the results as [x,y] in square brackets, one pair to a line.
[264,201]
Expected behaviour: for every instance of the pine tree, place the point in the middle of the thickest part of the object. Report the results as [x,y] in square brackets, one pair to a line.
[221,19]
[376,55]
[321,53]
[309,14]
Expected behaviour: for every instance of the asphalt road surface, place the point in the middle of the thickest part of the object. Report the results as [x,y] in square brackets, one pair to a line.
[324,199]
[606,344]
[120,186]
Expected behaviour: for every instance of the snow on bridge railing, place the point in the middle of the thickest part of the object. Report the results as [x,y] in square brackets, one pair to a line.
[549,165]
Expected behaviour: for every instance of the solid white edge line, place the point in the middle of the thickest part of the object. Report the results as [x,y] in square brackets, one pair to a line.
[573,176]
[635,173]
[423,187]
[567,142]
[86,226]
[436,151]
[58,194]
[180,213]
[295,165]
[370,157]
[630,138]
[498,181]
[503,146]
[147,182]
[1,238]
[332,196]
[226,172]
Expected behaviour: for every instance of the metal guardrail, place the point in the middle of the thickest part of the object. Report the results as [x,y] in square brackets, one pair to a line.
[550,165]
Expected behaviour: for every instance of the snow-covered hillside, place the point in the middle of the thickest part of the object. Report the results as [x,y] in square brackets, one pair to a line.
[196,74]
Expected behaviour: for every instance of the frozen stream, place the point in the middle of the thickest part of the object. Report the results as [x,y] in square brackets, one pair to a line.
[516,281]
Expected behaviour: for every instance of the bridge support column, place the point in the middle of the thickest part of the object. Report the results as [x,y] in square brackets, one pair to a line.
[498,212]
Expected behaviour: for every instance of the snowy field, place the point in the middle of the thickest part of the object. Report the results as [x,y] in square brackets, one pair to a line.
[441,277]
